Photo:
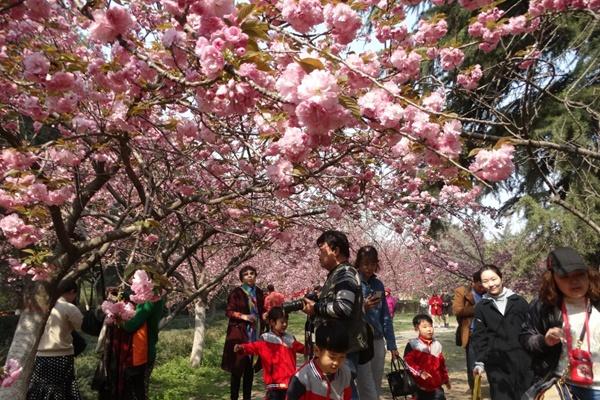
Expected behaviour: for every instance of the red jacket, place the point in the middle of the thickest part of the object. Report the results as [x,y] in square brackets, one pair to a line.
[422,356]
[278,357]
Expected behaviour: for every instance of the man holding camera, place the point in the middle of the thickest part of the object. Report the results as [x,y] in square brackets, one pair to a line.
[341,295]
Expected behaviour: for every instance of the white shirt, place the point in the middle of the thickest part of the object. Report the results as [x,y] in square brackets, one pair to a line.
[576,312]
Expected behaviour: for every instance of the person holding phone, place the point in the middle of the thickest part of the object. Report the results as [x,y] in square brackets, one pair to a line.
[378,316]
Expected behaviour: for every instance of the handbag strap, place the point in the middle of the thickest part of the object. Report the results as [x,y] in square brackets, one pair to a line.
[397,362]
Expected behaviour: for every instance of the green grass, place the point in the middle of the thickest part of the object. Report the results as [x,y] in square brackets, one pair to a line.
[174,379]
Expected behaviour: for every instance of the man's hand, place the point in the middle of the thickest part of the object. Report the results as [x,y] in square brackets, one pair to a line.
[425,375]
[237,348]
[478,370]
[372,302]
[553,336]
[309,306]
[395,354]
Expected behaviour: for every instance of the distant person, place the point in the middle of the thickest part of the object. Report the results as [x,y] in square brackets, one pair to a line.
[144,330]
[244,310]
[391,302]
[277,351]
[272,299]
[446,308]
[435,308]
[370,374]
[423,305]
[53,374]
[463,307]
[498,319]
[326,376]
[426,362]
[568,305]
[341,297]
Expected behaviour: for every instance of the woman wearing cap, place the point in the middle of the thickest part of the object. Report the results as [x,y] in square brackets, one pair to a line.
[244,310]
[566,311]
[495,340]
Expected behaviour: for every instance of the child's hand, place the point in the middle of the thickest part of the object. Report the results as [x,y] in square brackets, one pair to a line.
[425,375]
[237,348]
[448,385]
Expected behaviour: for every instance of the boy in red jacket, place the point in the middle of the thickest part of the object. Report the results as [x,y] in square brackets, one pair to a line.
[425,360]
[277,350]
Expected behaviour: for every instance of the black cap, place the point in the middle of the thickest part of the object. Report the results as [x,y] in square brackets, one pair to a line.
[564,260]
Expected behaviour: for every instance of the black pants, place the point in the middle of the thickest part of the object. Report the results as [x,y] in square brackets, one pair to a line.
[438,394]
[276,394]
[248,376]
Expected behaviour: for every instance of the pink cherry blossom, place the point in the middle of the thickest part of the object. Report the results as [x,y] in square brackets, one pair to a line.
[343,21]
[36,66]
[319,87]
[435,101]
[407,64]
[449,141]
[335,211]
[211,59]
[61,82]
[18,233]
[293,145]
[451,58]
[18,267]
[10,372]
[470,78]
[493,165]
[302,15]
[280,173]
[429,33]
[117,312]
[110,24]
[38,9]
[530,59]
[288,82]
[142,287]
[14,159]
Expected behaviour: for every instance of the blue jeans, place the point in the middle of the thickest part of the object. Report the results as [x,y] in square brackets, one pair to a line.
[352,362]
[585,393]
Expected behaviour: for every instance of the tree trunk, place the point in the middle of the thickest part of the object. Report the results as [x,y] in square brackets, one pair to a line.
[199,332]
[23,348]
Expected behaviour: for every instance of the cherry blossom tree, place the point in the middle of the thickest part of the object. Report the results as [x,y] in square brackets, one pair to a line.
[146,131]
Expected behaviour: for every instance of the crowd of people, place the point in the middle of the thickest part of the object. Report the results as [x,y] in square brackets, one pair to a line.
[524,349]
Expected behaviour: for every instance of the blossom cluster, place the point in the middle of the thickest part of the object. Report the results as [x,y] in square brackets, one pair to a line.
[10,372]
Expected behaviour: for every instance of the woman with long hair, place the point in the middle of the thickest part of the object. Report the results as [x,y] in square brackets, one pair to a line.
[244,310]
[497,324]
[562,331]
[378,316]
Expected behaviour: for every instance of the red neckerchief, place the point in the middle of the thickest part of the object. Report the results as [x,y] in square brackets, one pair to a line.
[427,342]
[586,326]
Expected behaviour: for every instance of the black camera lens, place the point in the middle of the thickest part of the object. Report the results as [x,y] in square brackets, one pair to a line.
[292,306]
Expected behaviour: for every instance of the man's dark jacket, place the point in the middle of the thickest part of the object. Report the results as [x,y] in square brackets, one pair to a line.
[341,300]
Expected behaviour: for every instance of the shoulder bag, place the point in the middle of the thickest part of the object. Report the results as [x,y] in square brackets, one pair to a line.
[400,380]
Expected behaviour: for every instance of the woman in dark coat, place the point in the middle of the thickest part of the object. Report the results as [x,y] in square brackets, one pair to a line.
[244,310]
[497,323]
[569,288]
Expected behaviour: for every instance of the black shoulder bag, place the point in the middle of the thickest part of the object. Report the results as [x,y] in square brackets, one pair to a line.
[400,380]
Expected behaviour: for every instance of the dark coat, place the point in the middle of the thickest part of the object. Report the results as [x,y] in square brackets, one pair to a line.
[237,302]
[495,342]
[540,318]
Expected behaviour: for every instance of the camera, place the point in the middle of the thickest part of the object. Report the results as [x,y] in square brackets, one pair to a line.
[293,305]
[298,304]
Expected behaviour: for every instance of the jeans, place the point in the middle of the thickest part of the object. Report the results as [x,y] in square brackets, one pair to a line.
[370,374]
[470,353]
[585,393]
[352,363]
[438,394]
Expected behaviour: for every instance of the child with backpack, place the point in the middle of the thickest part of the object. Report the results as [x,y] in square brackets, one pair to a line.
[277,350]
[425,360]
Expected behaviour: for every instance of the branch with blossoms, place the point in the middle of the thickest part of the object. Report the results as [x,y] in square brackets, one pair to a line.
[10,373]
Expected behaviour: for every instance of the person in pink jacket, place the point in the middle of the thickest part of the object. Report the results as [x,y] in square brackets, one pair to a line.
[391,301]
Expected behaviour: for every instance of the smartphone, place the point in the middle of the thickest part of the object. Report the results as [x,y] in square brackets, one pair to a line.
[377,294]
